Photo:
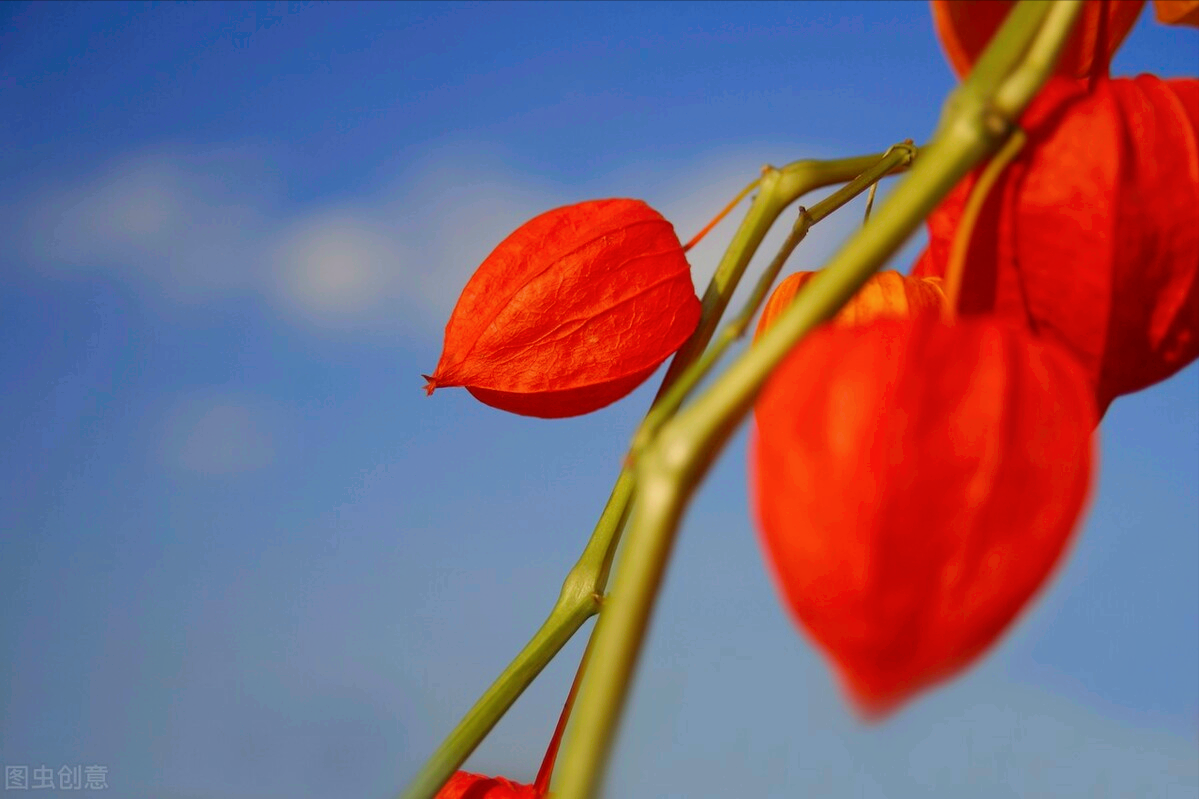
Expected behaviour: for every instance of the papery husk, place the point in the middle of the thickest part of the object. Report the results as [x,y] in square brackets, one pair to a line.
[966,26]
[1091,236]
[571,312]
[886,294]
[915,485]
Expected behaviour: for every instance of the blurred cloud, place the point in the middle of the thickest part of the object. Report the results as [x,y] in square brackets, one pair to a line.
[190,227]
[193,227]
[456,212]
[335,263]
[172,221]
[216,434]
[1039,744]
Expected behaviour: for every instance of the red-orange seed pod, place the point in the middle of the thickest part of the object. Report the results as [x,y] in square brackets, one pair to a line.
[1091,235]
[886,294]
[1177,12]
[966,26]
[464,785]
[915,483]
[571,312]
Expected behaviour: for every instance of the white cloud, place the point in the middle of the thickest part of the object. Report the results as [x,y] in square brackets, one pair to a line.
[160,219]
[454,213]
[214,434]
[1040,744]
[191,227]
[335,264]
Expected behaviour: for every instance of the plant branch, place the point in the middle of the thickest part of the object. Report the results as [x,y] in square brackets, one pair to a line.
[956,267]
[896,158]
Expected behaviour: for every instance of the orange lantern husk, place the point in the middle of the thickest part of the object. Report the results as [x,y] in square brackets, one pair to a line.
[885,295]
[1177,12]
[464,785]
[966,26]
[571,312]
[915,484]
[1091,236]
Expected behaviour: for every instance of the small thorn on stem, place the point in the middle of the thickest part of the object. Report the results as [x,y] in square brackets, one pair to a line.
[869,202]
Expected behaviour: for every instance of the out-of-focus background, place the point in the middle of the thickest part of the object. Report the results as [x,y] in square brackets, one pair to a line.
[243,554]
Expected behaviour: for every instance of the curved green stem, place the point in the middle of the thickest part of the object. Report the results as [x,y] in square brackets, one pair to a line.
[671,467]
[896,158]
[956,265]
[777,189]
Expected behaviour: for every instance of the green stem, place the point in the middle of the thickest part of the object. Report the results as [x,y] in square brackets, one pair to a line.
[1028,76]
[587,579]
[897,157]
[671,467]
[562,623]
[777,189]
[1004,54]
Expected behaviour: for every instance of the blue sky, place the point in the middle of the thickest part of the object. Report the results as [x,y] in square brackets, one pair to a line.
[245,556]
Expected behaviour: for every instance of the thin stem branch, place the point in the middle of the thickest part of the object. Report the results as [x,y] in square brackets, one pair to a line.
[897,157]
[778,188]
[955,269]
[728,209]
[542,783]
[563,621]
